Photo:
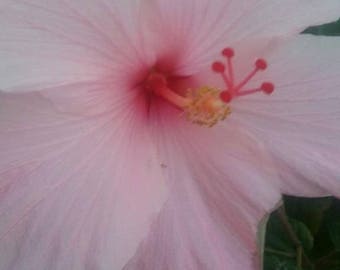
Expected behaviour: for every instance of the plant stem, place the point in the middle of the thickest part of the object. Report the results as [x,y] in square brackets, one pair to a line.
[279,252]
[300,253]
[326,257]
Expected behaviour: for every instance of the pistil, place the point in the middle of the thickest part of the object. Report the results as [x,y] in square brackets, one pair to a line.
[201,106]
[207,105]
[234,89]
[157,83]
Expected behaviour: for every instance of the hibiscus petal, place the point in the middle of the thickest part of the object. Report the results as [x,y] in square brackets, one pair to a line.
[49,43]
[218,195]
[197,30]
[91,98]
[299,122]
[277,18]
[75,193]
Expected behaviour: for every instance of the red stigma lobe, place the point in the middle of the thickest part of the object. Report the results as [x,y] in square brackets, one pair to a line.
[234,89]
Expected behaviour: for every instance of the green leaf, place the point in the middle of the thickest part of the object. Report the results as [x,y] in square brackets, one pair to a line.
[316,223]
[276,237]
[334,232]
[330,29]
[272,262]
[333,214]
[303,233]
[261,237]
[329,262]
[309,211]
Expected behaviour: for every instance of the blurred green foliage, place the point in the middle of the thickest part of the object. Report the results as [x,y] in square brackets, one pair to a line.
[304,234]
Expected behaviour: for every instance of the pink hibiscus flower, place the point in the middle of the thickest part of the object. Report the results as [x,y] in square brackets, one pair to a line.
[107,160]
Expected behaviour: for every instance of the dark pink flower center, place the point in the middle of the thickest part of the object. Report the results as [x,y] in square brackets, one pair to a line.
[207,105]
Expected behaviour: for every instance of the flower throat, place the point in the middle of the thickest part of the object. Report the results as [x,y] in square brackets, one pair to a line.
[208,105]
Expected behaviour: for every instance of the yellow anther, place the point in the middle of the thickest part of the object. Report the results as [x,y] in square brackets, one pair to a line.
[206,108]
[202,106]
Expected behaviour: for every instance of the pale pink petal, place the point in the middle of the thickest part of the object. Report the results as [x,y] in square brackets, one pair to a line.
[90,98]
[219,192]
[52,43]
[75,193]
[298,123]
[191,32]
